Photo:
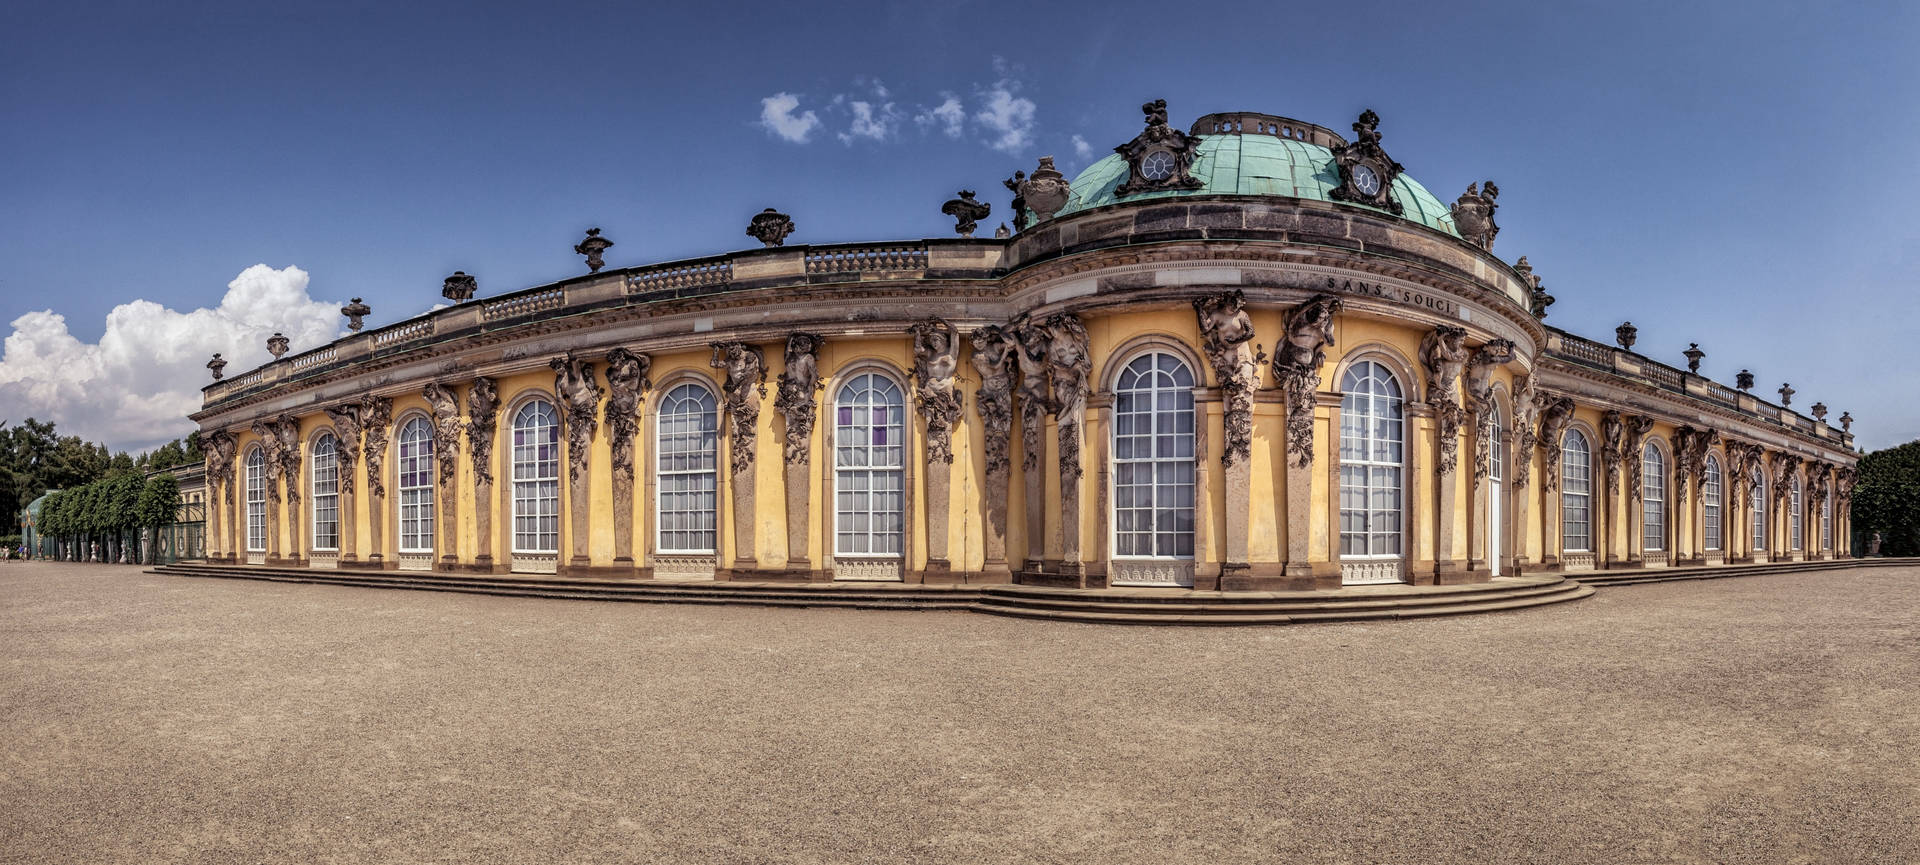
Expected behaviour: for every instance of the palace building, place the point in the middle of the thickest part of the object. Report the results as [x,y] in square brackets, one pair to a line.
[1250,355]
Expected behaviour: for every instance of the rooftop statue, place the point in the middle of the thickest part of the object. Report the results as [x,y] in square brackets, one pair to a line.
[217,365]
[1046,191]
[1160,157]
[1013,185]
[277,345]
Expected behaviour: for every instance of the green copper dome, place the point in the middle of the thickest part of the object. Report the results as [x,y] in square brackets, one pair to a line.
[1250,164]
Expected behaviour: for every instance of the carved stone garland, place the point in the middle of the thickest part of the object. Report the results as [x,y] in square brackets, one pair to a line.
[627,382]
[994,354]
[1297,359]
[1611,431]
[1637,428]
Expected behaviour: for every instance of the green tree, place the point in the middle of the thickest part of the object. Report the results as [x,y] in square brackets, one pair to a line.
[158,500]
[1886,499]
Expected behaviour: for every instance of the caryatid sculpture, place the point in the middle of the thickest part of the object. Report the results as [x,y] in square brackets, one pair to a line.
[376,417]
[1036,395]
[579,393]
[483,404]
[994,352]
[346,430]
[1612,431]
[1479,397]
[1473,215]
[627,380]
[1526,411]
[746,375]
[1226,333]
[1068,365]
[267,432]
[287,429]
[446,429]
[1784,466]
[795,401]
[1296,365]
[1444,353]
[1556,413]
[1637,428]
[936,361]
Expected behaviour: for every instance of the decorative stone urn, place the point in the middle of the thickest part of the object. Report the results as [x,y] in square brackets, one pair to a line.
[355,312]
[1694,354]
[217,364]
[277,344]
[591,248]
[459,287]
[1786,394]
[966,212]
[1625,334]
[1046,190]
[1743,380]
[1820,412]
[770,227]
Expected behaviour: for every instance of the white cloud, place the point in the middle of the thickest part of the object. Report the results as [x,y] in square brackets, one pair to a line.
[872,122]
[1008,118]
[950,116]
[134,388]
[777,117]
[1081,148]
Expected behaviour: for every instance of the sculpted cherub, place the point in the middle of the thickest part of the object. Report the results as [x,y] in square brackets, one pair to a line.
[1444,353]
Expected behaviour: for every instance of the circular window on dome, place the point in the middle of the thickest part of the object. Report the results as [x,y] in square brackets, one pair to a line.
[1365,180]
[1157,165]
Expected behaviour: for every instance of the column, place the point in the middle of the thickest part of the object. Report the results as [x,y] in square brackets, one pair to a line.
[1420,525]
[1328,576]
[1477,548]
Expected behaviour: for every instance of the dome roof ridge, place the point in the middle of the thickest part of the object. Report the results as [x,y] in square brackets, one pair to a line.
[1256,123]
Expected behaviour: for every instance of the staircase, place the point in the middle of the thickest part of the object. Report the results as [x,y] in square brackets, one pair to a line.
[1639,576]
[1187,607]
[891,596]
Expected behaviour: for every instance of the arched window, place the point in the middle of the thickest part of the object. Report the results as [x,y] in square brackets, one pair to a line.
[689,448]
[1372,462]
[869,465]
[1710,504]
[536,478]
[1826,522]
[416,486]
[1576,493]
[256,501]
[326,494]
[1759,510]
[1793,513]
[1153,469]
[1653,499]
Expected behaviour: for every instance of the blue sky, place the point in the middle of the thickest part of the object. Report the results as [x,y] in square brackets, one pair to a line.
[1737,174]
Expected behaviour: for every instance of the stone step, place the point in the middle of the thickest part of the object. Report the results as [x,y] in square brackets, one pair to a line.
[1173,616]
[1000,598]
[1639,576]
[601,590]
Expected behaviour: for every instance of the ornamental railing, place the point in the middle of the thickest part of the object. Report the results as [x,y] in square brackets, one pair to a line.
[401,333]
[1586,351]
[1664,376]
[513,307]
[696,274]
[313,358]
[1723,394]
[867,259]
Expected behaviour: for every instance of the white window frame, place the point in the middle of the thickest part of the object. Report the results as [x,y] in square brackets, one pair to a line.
[1795,503]
[1576,467]
[416,508]
[1370,456]
[326,493]
[1164,426]
[536,481]
[854,458]
[256,469]
[1711,480]
[1653,499]
[699,479]
[1759,510]
[1826,523]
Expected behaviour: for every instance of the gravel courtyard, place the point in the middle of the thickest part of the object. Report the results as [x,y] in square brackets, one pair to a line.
[167,719]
